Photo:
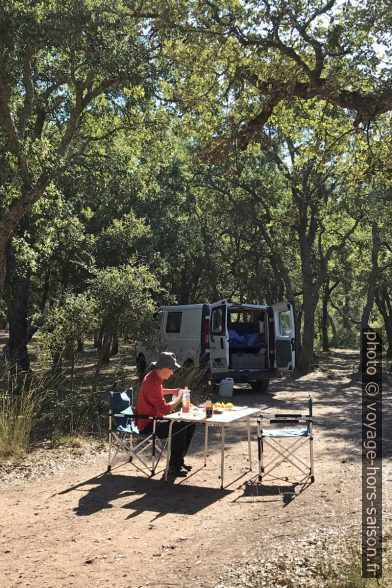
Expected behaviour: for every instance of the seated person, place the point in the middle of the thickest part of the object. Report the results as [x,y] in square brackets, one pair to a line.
[151,402]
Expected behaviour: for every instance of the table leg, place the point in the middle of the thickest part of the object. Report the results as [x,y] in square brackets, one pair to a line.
[222,453]
[169,442]
[259,447]
[205,443]
[249,447]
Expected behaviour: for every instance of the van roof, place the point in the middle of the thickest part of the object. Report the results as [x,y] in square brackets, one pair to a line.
[245,305]
[182,307]
[200,306]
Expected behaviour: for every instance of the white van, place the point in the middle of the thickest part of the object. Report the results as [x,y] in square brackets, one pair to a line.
[247,342]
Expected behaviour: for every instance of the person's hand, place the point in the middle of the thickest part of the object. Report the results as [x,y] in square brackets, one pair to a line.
[176,398]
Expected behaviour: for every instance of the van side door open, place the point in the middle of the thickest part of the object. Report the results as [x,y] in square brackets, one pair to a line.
[218,337]
[284,335]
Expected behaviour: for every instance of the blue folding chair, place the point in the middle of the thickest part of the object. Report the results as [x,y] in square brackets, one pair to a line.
[144,451]
[275,439]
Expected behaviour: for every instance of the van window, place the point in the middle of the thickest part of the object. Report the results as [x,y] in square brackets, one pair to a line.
[173,324]
[217,322]
[285,322]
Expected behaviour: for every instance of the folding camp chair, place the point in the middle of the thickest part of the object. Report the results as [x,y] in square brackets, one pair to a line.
[124,435]
[275,438]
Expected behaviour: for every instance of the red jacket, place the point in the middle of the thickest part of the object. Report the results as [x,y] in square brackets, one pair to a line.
[151,400]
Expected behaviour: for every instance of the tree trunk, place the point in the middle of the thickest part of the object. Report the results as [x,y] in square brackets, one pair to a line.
[99,339]
[310,299]
[103,354]
[372,278]
[17,297]
[384,303]
[12,217]
[307,354]
[114,349]
[185,285]
[327,291]
[324,317]
[80,345]
[298,335]
[105,350]
[333,328]
[212,272]
[69,350]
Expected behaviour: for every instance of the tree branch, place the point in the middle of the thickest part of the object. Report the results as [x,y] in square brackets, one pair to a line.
[29,94]
[6,119]
[332,249]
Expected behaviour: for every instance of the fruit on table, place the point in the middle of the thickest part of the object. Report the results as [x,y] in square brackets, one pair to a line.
[223,406]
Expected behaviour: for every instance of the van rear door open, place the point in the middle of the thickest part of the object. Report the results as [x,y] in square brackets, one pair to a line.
[218,338]
[284,335]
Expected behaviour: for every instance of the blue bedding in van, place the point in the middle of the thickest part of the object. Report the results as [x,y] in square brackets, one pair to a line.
[245,340]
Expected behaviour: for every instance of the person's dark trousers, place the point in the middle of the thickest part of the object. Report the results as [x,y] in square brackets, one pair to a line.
[181,438]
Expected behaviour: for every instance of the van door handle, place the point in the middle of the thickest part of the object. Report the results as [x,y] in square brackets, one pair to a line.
[221,340]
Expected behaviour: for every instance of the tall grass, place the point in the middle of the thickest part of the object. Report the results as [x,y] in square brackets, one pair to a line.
[21,396]
[16,422]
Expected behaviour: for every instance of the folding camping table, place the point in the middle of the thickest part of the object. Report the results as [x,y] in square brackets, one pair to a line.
[228,417]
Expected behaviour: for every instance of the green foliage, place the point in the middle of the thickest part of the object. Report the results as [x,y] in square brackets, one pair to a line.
[67,322]
[123,296]
[183,152]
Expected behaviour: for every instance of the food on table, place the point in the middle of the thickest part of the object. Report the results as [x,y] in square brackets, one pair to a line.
[219,407]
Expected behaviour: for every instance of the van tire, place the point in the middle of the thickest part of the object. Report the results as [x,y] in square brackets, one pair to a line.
[188,364]
[260,387]
[141,367]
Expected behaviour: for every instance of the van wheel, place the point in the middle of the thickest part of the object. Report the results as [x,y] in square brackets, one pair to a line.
[260,386]
[188,364]
[141,367]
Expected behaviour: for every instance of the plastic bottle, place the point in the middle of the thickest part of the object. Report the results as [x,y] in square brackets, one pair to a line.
[186,400]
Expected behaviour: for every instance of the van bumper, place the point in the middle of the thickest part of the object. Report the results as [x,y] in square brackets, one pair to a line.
[244,376]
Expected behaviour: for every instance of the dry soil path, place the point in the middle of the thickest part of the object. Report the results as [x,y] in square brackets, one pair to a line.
[86,528]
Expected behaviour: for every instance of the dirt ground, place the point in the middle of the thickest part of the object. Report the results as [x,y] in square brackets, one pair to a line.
[78,526]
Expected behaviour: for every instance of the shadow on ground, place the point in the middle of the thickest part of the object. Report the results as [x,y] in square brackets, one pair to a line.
[144,494]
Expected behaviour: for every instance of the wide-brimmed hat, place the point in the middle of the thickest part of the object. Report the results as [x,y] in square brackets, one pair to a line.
[166,360]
